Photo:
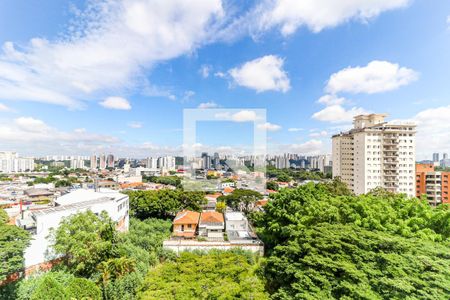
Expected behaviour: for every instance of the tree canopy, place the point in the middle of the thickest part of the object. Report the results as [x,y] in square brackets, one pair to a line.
[84,240]
[375,246]
[164,203]
[13,242]
[213,275]
[241,199]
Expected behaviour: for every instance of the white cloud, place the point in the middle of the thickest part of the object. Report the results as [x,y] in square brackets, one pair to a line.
[241,116]
[433,129]
[318,134]
[188,95]
[135,125]
[116,103]
[206,105]
[205,70]
[331,100]
[310,147]
[4,108]
[220,74]
[338,114]
[30,132]
[448,20]
[108,48]
[262,74]
[269,126]
[376,77]
[289,15]
[294,129]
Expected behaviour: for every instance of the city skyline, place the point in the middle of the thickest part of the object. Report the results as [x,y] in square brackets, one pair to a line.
[78,80]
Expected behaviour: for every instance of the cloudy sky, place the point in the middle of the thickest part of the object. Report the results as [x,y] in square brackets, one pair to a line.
[82,77]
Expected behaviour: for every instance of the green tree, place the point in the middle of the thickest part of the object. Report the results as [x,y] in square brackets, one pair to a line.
[84,240]
[272,185]
[241,199]
[376,246]
[213,275]
[164,203]
[57,285]
[13,242]
[221,207]
[4,218]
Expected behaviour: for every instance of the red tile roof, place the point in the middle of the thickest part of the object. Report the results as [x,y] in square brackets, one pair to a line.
[186,217]
[211,217]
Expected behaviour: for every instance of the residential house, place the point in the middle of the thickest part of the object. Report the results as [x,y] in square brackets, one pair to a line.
[185,224]
[211,225]
[212,201]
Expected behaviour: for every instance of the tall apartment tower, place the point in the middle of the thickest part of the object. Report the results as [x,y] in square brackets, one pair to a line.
[110,161]
[102,162]
[374,154]
[435,157]
[93,162]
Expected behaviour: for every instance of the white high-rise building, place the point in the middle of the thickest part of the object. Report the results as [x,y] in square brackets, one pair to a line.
[93,162]
[152,163]
[102,162]
[11,162]
[167,163]
[376,153]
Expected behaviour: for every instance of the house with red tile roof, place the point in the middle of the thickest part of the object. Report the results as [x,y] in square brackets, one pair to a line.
[211,225]
[185,224]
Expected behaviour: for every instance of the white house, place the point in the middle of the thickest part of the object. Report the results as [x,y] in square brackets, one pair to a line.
[211,225]
[39,222]
[236,221]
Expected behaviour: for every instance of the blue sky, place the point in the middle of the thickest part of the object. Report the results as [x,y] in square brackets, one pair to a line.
[82,77]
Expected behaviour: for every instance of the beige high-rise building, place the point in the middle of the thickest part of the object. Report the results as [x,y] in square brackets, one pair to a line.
[376,153]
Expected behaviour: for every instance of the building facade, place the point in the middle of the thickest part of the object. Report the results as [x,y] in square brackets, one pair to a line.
[434,185]
[374,154]
[39,222]
[10,162]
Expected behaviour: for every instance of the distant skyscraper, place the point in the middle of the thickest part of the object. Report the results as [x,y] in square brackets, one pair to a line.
[206,161]
[102,161]
[435,157]
[11,162]
[152,163]
[93,162]
[445,156]
[374,154]
[110,161]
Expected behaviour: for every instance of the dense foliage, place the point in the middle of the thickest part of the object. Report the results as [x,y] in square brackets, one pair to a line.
[57,285]
[288,174]
[164,203]
[169,180]
[13,242]
[376,246]
[241,199]
[215,275]
[84,240]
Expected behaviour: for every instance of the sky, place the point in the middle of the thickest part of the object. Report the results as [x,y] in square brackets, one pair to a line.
[115,76]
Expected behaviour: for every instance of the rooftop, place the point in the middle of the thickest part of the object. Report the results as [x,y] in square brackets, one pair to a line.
[83,195]
[212,217]
[187,217]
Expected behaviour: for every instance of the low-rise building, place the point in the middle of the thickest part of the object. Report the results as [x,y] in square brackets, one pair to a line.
[39,222]
[185,224]
[211,225]
[433,184]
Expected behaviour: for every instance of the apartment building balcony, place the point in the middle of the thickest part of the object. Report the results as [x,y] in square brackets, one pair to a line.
[390,185]
[390,162]
[390,173]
